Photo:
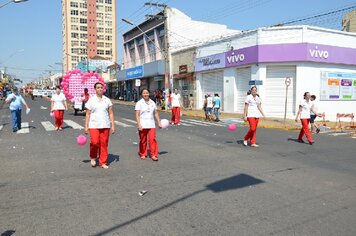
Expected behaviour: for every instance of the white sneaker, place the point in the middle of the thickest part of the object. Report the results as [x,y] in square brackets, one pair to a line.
[254,145]
[245,142]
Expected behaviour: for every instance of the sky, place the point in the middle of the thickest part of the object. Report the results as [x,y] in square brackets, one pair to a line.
[31,32]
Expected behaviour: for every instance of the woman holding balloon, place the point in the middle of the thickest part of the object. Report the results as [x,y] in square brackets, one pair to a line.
[252,113]
[58,106]
[99,116]
[146,112]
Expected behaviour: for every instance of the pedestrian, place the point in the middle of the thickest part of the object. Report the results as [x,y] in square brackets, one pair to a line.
[99,116]
[85,98]
[191,101]
[176,105]
[146,113]
[305,108]
[58,106]
[16,101]
[204,106]
[217,102]
[313,115]
[169,99]
[252,113]
[209,107]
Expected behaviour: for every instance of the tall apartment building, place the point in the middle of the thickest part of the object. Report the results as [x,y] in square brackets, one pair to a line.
[349,22]
[88,31]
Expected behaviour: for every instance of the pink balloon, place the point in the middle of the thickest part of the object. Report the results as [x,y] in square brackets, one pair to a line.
[164,123]
[51,114]
[81,140]
[232,127]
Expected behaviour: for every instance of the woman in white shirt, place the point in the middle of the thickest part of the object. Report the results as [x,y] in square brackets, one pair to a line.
[146,111]
[58,105]
[176,105]
[252,113]
[99,116]
[305,108]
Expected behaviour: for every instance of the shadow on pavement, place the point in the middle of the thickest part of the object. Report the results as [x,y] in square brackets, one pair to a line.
[231,183]
[8,233]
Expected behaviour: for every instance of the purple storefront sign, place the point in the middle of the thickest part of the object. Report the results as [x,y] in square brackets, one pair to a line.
[298,52]
[210,62]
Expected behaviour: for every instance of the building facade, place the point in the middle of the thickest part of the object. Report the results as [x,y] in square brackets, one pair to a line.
[316,60]
[146,56]
[88,30]
[349,22]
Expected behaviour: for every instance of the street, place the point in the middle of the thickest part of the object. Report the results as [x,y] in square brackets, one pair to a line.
[205,182]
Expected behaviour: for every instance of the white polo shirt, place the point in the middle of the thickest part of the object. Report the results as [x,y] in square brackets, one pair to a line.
[175,100]
[58,101]
[209,102]
[147,110]
[99,112]
[253,102]
[306,106]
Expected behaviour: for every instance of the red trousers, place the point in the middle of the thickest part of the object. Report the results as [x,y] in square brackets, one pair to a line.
[251,134]
[305,130]
[152,142]
[99,140]
[175,115]
[58,118]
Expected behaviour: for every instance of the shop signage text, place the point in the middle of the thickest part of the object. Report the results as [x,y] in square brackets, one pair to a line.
[318,53]
[134,72]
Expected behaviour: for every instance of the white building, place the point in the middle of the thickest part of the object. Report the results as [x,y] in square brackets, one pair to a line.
[317,60]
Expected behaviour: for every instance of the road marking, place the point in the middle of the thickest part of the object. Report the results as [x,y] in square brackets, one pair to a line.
[73,124]
[122,124]
[25,128]
[194,122]
[48,126]
[128,120]
[206,123]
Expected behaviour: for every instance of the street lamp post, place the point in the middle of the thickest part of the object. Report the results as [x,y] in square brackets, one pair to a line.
[12,1]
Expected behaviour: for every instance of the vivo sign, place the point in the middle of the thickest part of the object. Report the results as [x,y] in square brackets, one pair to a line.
[235,58]
[316,53]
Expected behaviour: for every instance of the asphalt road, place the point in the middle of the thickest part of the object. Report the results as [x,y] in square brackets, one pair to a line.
[205,182]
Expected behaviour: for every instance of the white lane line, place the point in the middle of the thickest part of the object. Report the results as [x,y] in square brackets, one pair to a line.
[207,123]
[122,124]
[48,126]
[73,124]
[25,128]
[194,122]
[128,120]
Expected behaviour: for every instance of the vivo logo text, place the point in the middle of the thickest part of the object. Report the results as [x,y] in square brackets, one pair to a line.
[316,53]
[236,58]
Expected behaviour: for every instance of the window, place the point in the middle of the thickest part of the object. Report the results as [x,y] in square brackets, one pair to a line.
[100,52]
[108,30]
[74,43]
[83,5]
[74,12]
[108,16]
[108,1]
[75,58]
[108,8]
[83,36]
[74,27]
[141,54]
[108,37]
[108,45]
[152,51]
[83,20]
[100,30]
[100,37]
[100,44]
[83,28]
[74,64]
[83,13]
[75,35]
[108,22]
[99,15]
[74,20]
[82,51]
[73,4]
[83,43]
[108,52]
[99,1]
[75,50]
[100,23]
[99,7]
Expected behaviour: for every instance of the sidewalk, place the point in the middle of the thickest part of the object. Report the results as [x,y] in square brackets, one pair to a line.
[271,123]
